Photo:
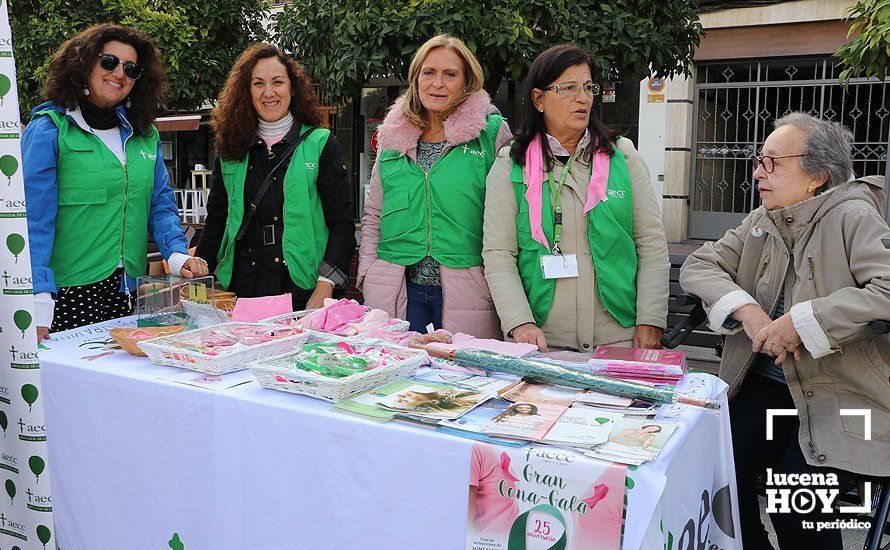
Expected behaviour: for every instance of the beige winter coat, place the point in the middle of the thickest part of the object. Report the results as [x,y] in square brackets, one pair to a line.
[577,319]
[827,253]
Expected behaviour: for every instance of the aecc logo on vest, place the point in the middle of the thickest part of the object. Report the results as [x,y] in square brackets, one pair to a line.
[466,149]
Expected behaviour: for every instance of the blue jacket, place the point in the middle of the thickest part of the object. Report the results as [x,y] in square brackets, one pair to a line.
[40,151]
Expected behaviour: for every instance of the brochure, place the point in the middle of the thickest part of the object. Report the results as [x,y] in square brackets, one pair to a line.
[582,427]
[524,420]
[432,401]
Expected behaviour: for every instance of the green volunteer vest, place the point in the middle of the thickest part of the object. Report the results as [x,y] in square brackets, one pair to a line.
[305,235]
[609,235]
[103,206]
[445,203]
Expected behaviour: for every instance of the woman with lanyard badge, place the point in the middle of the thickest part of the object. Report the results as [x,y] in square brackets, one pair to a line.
[279,214]
[574,248]
[95,181]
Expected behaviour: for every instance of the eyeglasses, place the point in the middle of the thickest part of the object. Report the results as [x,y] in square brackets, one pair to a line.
[768,162]
[109,62]
[572,90]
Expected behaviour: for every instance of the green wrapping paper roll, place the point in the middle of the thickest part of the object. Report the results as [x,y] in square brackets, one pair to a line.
[555,374]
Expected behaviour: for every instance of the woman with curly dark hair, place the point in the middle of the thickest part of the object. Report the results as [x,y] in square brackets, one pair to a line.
[279,214]
[95,181]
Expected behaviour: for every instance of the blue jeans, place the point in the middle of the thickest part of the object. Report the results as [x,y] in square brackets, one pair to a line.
[424,306]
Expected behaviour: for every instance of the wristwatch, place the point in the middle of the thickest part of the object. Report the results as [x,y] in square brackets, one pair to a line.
[333,273]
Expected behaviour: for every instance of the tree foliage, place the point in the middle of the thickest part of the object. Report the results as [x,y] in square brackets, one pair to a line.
[198,40]
[869,53]
[347,41]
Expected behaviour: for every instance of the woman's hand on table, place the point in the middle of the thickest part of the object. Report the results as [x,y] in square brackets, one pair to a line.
[42,332]
[778,339]
[648,337]
[529,333]
[322,290]
[194,267]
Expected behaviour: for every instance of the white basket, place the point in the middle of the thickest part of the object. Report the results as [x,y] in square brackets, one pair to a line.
[162,351]
[270,374]
[394,325]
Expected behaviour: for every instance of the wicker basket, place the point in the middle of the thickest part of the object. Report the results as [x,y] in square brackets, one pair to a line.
[127,338]
[163,350]
[287,319]
[271,373]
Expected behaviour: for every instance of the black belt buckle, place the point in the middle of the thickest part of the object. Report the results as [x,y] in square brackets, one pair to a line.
[269,235]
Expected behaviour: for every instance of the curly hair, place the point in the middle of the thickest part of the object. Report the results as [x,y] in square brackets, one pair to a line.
[234,121]
[72,64]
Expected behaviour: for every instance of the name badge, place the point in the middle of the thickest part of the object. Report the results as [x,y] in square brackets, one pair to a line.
[559,266]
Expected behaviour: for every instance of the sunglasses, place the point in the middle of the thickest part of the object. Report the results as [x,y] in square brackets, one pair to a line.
[109,62]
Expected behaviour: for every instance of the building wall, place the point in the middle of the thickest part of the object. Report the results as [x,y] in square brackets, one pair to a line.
[666,128]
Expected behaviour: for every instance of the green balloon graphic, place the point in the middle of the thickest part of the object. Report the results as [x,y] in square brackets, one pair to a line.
[37,466]
[10,490]
[15,243]
[9,166]
[43,534]
[22,320]
[4,422]
[29,394]
[5,86]
[600,420]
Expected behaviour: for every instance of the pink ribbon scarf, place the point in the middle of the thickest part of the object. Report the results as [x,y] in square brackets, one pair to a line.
[533,172]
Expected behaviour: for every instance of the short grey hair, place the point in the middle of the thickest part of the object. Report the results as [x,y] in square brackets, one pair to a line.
[827,146]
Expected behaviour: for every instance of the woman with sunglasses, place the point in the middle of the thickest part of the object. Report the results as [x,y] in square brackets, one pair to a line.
[794,289]
[574,248]
[95,180]
[273,153]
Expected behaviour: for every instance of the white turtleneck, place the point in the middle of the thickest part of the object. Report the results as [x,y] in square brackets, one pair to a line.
[273,132]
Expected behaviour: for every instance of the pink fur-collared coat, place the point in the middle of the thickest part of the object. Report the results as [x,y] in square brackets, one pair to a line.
[467,305]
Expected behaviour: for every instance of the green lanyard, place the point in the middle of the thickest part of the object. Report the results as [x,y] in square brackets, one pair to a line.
[555,202]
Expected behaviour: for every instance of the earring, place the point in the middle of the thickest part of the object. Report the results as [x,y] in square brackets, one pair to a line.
[128,103]
[86,91]
[810,189]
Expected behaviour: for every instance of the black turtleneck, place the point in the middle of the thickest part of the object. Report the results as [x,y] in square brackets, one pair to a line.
[99,118]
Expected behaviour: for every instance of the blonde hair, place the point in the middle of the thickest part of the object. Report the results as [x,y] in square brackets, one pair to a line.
[412,108]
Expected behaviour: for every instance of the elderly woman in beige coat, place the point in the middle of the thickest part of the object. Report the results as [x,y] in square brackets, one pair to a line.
[794,288]
[574,248]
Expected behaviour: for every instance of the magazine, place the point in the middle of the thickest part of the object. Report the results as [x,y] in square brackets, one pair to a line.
[365,404]
[471,424]
[582,427]
[432,401]
[634,441]
[539,392]
[488,384]
[530,421]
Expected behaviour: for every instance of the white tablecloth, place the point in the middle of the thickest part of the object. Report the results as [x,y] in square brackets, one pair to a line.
[135,459]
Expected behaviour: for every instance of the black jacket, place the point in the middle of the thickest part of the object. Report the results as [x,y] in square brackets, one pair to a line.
[334,191]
